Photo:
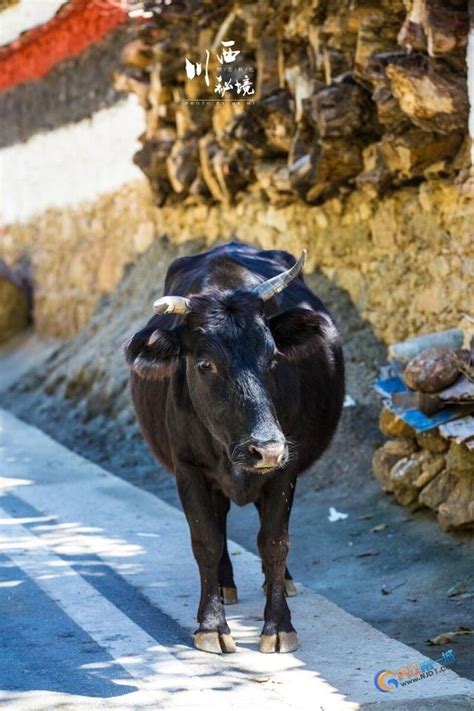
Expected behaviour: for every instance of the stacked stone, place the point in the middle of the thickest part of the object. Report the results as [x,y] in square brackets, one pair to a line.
[426,470]
[368,94]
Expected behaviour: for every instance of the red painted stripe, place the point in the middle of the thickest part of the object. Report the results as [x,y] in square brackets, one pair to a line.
[76,26]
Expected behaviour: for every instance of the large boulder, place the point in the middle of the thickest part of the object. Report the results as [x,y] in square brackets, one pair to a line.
[14,303]
[432,370]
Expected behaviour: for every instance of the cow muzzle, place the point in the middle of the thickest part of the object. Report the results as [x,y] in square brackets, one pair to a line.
[260,455]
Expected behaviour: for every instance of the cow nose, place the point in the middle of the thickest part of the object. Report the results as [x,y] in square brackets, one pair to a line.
[266,454]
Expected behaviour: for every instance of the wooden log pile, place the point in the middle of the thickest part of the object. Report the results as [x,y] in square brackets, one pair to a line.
[368,94]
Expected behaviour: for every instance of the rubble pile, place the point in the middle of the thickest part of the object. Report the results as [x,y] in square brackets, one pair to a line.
[428,416]
[339,95]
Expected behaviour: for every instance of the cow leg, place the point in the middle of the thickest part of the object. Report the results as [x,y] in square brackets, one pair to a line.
[278,634]
[227,587]
[207,539]
[290,590]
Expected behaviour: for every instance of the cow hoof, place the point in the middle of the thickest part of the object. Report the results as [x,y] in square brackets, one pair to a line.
[281,642]
[214,642]
[288,642]
[290,588]
[268,643]
[229,595]
[227,643]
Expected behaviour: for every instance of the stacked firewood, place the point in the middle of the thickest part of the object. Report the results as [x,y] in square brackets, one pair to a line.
[368,94]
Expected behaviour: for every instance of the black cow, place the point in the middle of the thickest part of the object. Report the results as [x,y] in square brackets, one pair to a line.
[238,385]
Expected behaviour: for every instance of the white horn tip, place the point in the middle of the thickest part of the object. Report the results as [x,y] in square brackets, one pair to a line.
[172,305]
[161,307]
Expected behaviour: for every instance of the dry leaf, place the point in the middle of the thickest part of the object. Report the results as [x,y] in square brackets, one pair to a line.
[379,527]
[446,637]
[457,589]
[442,638]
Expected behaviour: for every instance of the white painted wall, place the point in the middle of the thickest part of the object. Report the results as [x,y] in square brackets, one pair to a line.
[24,16]
[72,164]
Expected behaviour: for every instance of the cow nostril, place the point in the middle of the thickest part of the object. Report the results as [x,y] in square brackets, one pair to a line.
[267,454]
[255,451]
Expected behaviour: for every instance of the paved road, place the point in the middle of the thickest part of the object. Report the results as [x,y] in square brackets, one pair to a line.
[98,593]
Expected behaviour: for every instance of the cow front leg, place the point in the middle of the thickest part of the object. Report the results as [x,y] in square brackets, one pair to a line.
[278,633]
[207,539]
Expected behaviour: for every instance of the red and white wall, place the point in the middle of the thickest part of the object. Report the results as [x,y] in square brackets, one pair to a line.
[72,202]
[66,135]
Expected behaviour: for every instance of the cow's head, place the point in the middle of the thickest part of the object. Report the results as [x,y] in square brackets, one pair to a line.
[232,353]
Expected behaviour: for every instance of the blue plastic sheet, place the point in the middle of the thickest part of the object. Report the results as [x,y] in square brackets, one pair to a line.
[393,384]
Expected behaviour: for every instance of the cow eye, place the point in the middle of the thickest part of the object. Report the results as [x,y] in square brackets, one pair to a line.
[204,365]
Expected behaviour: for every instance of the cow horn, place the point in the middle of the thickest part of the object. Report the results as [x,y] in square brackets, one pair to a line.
[172,305]
[272,287]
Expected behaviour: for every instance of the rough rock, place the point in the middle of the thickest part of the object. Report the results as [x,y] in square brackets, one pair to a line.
[432,441]
[460,460]
[431,465]
[387,456]
[14,304]
[403,476]
[457,511]
[438,490]
[393,426]
[433,370]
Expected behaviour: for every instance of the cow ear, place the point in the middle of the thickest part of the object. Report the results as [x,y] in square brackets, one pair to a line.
[299,333]
[153,353]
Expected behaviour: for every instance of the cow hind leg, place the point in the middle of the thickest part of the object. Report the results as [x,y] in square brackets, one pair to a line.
[227,587]
[290,589]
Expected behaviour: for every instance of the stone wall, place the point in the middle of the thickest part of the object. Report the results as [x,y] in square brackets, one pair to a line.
[67,139]
[354,145]
[405,259]
[81,255]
